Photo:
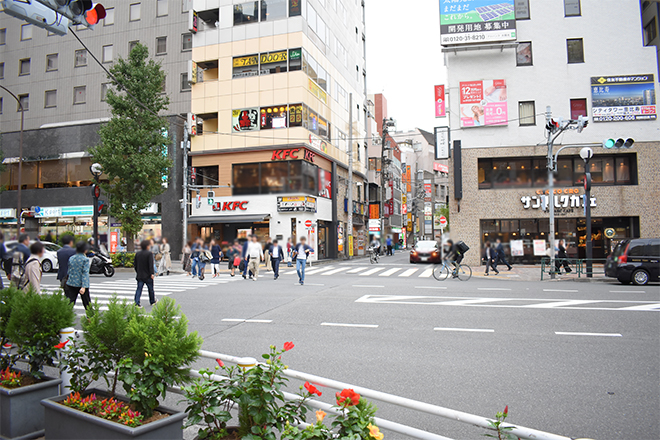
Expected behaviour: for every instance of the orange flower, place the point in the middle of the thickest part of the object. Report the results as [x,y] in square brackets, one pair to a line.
[61,345]
[220,363]
[320,415]
[348,397]
[374,432]
[311,389]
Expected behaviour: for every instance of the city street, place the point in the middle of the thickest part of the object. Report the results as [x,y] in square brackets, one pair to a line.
[571,358]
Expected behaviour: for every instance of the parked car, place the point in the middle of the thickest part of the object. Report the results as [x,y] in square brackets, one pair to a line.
[635,260]
[49,261]
[426,251]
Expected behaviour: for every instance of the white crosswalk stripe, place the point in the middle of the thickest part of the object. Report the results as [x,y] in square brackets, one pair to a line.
[371,271]
[389,272]
[408,273]
[427,273]
[318,270]
[357,269]
[334,271]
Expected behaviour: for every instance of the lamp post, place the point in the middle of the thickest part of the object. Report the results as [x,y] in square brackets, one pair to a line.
[96,192]
[20,162]
[586,154]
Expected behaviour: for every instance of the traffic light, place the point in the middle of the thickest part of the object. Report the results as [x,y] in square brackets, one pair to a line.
[83,12]
[582,123]
[552,126]
[608,144]
[36,14]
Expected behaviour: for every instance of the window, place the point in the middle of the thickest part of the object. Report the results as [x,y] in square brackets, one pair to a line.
[109,19]
[2,70]
[104,90]
[295,59]
[572,8]
[273,62]
[134,12]
[186,5]
[316,23]
[341,95]
[26,32]
[524,54]
[578,108]
[273,10]
[161,45]
[295,8]
[186,42]
[650,32]
[281,177]
[206,176]
[185,85]
[575,51]
[51,62]
[522,10]
[164,88]
[162,8]
[246,66]
[131,45]
[79,94]
[246,13]
[527,113]
[107,53]
[25,102]
[50,100]
[80,58]
[3,37]
[24,66]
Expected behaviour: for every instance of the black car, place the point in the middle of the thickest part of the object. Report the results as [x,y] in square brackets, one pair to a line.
[635,260]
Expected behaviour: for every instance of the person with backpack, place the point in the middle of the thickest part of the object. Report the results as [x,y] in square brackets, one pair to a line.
[234,257]
[144,273]
[276,257]
[19,257]
[63,256]
[300,253]
[77,280]
[31,278]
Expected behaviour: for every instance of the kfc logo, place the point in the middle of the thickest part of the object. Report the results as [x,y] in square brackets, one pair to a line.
[230,206]
[293,154]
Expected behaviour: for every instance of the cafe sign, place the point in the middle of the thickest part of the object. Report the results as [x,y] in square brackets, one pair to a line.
[565,201]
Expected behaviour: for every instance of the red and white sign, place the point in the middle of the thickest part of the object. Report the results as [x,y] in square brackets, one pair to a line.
[308,223]
[440,168]
[443,221]
[293,154]
[483,103]
[440,101]
[404,209]
[230,206]
[114,242]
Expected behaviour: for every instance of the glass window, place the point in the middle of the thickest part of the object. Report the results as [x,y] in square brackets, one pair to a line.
[52,174]
[246,13]
[246,66]
[273,62]
[578,172]
[310,178]
[578,108]
[109,19]
[596,169]
[295,8]
[623,170]
[311,17]
[524,54]
[79,94]
[26,32]
[80,58]
[273,117]
[161,45]
[50,99]
[295,176]
[132,44]
[572,8]
[485,173]
[24,67]
[295,59]
[245,179]
[104,90]
[3,36]
[77,171]
[273,10]
[51,62]
[501,174]
[2,70]
[107,53]
[162,8]
[186,42]
[637,250]
[322,79]
[539,172]
[25,102]
[608,169]
[650,32]
[575,50]
[527,113]
[185,85]
[134,12]
[564,172]
[296,115]
[274,176]
[206,176]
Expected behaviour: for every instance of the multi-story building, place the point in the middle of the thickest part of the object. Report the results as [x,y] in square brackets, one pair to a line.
[63,90]
[558,56]
[280,93]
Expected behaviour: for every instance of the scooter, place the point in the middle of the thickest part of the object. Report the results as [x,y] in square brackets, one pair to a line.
[101,263]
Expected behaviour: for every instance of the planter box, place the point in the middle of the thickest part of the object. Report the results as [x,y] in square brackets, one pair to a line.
[21,416]
[64,423]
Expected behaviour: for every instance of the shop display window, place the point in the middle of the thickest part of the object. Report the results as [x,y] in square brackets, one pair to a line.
[295,176]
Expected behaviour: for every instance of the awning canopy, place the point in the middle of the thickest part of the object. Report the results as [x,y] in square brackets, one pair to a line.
[214,219]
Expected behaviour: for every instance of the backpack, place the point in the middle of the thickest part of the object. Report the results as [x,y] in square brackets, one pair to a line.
[462,247]
[23,280]
[17,267]
[205,256]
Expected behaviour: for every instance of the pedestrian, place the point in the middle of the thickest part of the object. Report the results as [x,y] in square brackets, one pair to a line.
[276,256]
[289,250]
[244,256]
[500,254]
[5,260]
[205,258]
[490,256]
[301,252]
[31,278]
[255,255]
[144,273]
[234,257]
[216,255]
[77,275]
[155,249]
[23,246]
[49,237]
[166,258]
[63,256]
[185,260]
[269,244]
[561,258]
[388,243]
[194,258]
[19,257]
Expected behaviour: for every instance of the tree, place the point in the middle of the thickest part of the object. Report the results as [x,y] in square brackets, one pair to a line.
[133,142]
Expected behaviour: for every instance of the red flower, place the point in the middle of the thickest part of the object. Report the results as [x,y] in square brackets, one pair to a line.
[61,345]
[506,410]
[348,397]
[288,346]
[311,389]
[220,363]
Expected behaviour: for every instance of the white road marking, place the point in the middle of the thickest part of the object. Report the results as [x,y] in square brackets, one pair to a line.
[334,271]
[556,290]
[313,284]
[552,305]
[431,287]
[627,291]
[367,285]
[335,324]
[616,335]
[492,288]
[291,272]
[408,272]
[357,269]
[427,273]
[317,270]
[475,330]
[252,321]
[389,272]
[372,271]
[644,308]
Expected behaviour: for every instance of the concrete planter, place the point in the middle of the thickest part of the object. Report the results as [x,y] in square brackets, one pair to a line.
[64,423]
[21,416]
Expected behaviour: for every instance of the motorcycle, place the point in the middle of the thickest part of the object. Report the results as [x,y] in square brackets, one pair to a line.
[101,263]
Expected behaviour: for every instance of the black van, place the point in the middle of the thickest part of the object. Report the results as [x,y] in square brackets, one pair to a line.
[636,260]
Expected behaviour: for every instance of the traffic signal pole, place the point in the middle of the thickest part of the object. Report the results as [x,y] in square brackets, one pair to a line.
[551,191]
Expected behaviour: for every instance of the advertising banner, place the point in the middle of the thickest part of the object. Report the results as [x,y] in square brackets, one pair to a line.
[440,101]
[325,183]
[317,91]
[539,248]
[442,139]
[476,21]
[623,98]
[440,168]
[483,103]
[291,204]
[114,241]
[245,120]
[374,225]
[517,249]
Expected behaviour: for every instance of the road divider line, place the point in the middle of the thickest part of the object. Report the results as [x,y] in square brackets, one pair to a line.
[336,324]
[560,304]
[314,284]
[615,335]
[492,288]
[251,321]
[471,330]
[367,285]
[627,291]
[431,287]
[556,290]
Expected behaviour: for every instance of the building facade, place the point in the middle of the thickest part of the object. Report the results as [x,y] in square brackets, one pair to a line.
[279,105]
[498,94]
[63,90]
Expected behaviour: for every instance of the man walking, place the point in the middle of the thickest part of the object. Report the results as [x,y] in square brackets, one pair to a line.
[388,242]
[63,256]
[561,258]
[255,255]
[144,273]
[276,256]
[301,252]
[77,280]
[500,254]
[244,256]
[490,256]
[269,245]
[23,246]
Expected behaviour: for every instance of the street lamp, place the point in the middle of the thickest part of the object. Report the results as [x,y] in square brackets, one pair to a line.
[586,154]
[20,162]
[96,171]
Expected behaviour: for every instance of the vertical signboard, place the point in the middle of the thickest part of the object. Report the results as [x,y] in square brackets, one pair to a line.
[442,143]
[476,21]
[623,98]
[440,101]
[483,103]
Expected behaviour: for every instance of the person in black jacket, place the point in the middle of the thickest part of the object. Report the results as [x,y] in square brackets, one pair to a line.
[561,257]
[501,257]
[276,256]
[63,256]
[144,272]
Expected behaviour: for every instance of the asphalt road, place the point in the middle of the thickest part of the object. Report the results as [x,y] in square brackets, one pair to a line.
[576,359]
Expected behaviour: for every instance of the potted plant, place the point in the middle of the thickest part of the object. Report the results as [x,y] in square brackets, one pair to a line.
[158,353]
[32,322]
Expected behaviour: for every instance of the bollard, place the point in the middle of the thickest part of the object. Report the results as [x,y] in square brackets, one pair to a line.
[66,334]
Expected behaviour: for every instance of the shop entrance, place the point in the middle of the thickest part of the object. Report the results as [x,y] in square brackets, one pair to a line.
[323,239]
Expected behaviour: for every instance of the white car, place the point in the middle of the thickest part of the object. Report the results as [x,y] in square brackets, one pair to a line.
[49,260]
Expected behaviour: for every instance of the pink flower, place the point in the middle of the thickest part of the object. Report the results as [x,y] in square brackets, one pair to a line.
[311,389]
[288,346]
[220,363]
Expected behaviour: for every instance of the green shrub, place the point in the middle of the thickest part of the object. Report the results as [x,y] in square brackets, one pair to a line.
[123,259]
[6,297]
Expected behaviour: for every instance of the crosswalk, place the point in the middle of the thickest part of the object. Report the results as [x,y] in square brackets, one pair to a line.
[125,289]
[425,271]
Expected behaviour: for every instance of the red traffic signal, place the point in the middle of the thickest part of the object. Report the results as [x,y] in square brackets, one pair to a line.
[94,15]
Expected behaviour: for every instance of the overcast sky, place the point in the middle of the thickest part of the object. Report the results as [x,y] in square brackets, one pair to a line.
[404,60]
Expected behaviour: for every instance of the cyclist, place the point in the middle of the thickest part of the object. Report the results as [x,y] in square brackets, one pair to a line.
[454,256]
[375,245]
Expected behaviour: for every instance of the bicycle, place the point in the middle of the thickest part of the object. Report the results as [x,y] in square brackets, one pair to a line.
[462,271]
[373,256]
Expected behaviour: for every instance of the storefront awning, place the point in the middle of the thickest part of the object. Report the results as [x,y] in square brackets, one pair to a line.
[213,219]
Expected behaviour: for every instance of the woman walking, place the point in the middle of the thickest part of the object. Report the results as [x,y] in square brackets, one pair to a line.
[77,282]
[234,257]
[204,258]
[216,255]
[186,261]
[166,258]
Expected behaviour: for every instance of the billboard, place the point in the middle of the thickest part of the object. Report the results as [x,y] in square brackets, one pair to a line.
[483,103]
[442,142]
[439,101]
[476,21]
[623,98]
[245,120]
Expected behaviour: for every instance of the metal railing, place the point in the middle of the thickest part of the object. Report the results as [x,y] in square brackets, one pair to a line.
[578,265]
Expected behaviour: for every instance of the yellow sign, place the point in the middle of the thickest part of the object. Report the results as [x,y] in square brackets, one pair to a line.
[250,60]
[350,245]
[273,57]
[318,91]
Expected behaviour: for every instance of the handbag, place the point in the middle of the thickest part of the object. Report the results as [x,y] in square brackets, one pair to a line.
[237,261]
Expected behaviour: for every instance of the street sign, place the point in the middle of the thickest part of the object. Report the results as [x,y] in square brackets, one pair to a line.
[97,191]
[443,221]
[37,210]
[610,232]
[308,223]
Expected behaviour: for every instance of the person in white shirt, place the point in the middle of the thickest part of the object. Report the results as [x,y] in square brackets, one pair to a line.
[255,255]
[302,252]
[276,256]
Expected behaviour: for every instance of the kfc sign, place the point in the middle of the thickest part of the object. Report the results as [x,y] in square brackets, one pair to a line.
[230,206]
[293,154]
